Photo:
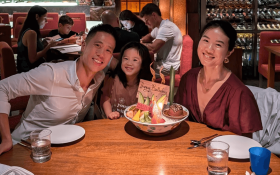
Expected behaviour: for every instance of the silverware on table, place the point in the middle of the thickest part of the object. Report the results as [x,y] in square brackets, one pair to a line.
[200,141]
[29,147]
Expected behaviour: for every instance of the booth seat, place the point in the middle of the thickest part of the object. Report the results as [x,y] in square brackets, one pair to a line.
[4,18]
[79,21]
[5,34]
[185,61]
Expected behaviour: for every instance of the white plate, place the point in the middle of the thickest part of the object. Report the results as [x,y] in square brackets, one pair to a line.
[238,145]
[66,133]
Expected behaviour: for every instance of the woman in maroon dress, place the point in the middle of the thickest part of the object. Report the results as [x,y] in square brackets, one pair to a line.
[213,94]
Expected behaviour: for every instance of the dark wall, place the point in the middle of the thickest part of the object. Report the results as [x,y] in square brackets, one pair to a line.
[193,26]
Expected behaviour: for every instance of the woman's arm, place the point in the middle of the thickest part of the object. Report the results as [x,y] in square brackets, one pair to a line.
[7,143]
[29,39]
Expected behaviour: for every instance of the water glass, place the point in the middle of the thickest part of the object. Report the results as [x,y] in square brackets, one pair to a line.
[41,145]
[260,159]
[217,157]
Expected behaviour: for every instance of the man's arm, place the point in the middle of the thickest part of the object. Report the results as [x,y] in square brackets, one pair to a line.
[37,81]
[7,143]
[155,46]
[147,38]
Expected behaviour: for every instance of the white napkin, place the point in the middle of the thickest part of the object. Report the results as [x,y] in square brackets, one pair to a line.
[13,170]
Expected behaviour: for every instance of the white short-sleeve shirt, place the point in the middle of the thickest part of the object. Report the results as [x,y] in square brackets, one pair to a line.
[170,53]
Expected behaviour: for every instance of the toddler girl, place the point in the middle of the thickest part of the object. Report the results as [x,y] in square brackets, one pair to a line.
[121,88]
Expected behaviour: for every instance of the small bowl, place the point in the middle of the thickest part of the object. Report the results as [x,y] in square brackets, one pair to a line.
[165,113]
[157,129]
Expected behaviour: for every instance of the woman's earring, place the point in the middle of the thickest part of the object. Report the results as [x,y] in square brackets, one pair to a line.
[226,60]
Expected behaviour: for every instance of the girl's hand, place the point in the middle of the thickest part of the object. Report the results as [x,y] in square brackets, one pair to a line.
[114,115]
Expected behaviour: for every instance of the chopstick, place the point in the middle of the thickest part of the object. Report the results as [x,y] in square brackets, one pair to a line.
[29,147]
[204,143]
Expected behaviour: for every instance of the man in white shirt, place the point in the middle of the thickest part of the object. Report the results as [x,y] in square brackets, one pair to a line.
[60,93]
[165,39]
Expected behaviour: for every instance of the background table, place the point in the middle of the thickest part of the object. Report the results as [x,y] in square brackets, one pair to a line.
[273,50]
[118,147]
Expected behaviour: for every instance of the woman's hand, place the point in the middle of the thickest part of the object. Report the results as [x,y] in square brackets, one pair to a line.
[114,115]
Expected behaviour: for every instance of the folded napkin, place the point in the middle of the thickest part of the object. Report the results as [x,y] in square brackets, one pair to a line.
[13,170]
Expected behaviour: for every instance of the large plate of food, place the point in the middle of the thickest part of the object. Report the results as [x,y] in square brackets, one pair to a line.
[147,115]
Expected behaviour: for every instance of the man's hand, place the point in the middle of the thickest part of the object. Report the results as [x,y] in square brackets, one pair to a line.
[6,145]
[114,115]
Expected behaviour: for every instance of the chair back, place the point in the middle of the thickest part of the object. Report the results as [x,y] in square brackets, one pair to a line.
[265,38]
[79,21]
[5,18]
[18,25]
[186,55]
[5,34]
[7,61]
[15,17]
[52,19]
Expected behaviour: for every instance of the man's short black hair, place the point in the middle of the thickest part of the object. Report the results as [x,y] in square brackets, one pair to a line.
[148,9]
[102,28]
[66,20]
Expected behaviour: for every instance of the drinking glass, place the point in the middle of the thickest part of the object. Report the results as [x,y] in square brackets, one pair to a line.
[217,157]
[41,145]
[260,159]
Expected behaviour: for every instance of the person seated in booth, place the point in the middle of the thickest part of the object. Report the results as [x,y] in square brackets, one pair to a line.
[60,93]
[31,52]
[165,39]
[132,23]
[213,94]
[121,88]
[109,17]
[65,24]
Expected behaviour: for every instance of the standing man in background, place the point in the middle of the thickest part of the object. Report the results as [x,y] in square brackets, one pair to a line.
[165,39]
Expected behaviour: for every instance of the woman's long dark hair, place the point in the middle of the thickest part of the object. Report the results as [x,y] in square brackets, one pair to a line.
[128,15]
[31,22]
[144,72]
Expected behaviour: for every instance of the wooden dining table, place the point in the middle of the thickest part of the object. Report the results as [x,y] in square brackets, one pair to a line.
[272,52]
[118,147]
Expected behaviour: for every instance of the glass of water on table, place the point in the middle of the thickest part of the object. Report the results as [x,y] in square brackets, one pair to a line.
[41,145]
[217,157]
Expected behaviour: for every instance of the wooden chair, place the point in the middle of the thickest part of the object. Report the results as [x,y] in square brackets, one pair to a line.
[265,38]
[79,21]
[185,61]
[8,68]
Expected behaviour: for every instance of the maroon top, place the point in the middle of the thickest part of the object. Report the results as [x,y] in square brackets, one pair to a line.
[232,108]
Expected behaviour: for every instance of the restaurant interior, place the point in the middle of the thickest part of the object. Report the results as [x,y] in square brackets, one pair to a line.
[127,147]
